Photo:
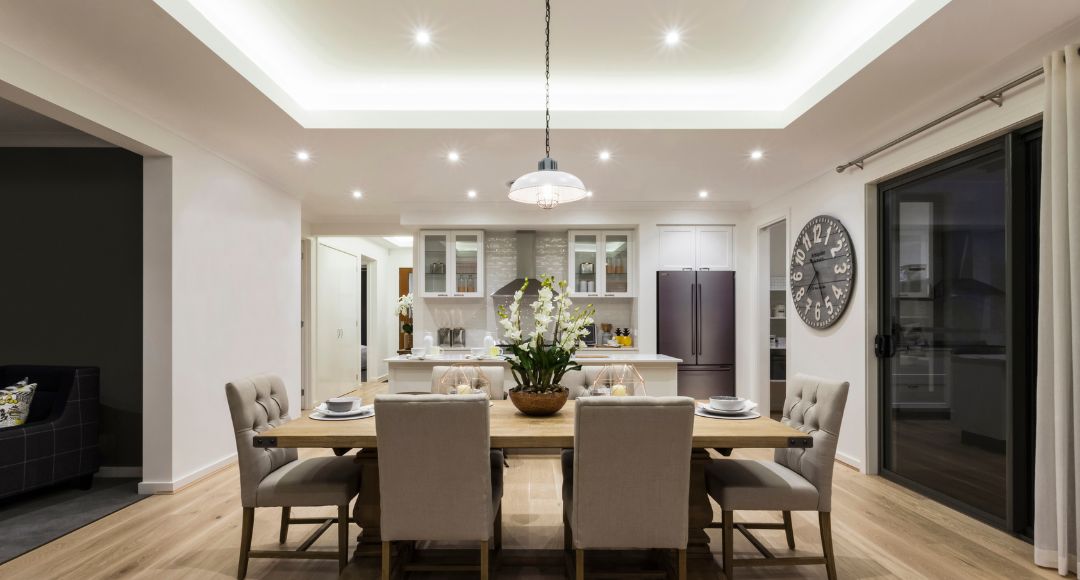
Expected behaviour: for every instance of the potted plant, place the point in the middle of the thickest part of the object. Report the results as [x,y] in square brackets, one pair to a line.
[541,355]
[404,312]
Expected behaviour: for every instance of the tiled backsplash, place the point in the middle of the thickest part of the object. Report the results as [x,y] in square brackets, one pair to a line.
[500,268]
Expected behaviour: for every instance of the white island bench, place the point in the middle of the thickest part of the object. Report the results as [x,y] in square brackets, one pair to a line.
[659,371]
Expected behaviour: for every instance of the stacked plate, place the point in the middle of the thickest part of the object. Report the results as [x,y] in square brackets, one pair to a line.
[358,411]
[747,411]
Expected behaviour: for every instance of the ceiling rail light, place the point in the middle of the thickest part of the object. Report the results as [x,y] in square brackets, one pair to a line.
[547,187]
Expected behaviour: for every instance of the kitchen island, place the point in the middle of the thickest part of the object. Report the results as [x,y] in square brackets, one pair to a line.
[659,371]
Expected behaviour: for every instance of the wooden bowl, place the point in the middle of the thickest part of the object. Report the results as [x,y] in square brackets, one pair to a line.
[539,404]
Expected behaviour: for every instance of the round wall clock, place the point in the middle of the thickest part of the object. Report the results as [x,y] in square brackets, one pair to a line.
[822,272]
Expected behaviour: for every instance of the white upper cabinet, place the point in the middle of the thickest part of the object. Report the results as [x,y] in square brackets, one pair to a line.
[452,264]
[696,248]
[601,263]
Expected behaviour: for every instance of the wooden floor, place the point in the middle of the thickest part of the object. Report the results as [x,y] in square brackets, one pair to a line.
[880,530]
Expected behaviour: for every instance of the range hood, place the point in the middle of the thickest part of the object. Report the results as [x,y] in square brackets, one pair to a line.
[526,267]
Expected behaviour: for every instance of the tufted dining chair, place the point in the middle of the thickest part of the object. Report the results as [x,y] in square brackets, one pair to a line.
[275,477]
[796,480]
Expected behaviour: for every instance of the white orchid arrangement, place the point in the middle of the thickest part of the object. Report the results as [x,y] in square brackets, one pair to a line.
[404,310]
[542,354]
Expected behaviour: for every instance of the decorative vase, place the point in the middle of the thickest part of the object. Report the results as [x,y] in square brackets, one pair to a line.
[539,404]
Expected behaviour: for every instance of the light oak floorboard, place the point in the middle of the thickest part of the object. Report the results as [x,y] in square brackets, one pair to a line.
[880,530]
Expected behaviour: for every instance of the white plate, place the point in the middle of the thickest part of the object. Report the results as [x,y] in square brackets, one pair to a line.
[746,415]
[368,411]
[356,410]
[750,406]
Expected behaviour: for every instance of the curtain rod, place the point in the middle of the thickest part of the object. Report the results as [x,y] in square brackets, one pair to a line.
[996,96]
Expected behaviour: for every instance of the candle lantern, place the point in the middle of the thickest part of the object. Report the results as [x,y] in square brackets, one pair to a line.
[464,379]
[618,381]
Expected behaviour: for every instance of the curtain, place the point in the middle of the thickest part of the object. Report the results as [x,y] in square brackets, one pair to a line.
[1057,420]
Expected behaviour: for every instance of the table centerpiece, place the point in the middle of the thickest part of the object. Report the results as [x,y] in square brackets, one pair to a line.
[540,357]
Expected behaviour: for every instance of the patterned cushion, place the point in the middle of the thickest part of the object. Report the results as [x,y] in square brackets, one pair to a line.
[15,403]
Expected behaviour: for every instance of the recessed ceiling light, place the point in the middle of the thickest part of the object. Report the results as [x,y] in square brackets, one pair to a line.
[672,37]
[605,155]
[453,157]
[756,154]
[471,193]
[357,194]
[588,193]
[303,155]
[703,194]
[422,37]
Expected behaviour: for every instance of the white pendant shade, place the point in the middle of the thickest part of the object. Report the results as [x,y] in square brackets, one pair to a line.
[547,188]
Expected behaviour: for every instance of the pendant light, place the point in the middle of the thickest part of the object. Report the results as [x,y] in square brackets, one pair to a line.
[547,187]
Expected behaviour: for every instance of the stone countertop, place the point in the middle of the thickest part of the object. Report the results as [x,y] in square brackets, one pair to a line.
[586,358]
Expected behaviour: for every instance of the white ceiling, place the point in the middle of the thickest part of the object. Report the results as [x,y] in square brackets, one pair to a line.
[739,63]
[138,55]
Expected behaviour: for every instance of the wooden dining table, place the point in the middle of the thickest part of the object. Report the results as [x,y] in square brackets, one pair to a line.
[510,429]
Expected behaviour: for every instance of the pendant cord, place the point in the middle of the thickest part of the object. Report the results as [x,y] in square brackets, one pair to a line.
[547,79]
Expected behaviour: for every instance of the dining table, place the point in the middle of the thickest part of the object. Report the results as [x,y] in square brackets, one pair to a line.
[511,429]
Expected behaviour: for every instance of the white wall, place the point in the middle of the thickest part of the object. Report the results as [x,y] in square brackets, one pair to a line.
[845,350]
[221,274]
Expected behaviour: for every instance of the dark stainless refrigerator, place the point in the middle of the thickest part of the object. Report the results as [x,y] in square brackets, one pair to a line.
[695,321]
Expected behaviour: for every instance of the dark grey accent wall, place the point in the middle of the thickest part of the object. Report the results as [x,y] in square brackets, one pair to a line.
[71,289]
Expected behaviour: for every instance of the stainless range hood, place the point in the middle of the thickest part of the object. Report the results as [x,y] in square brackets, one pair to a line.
[526,267]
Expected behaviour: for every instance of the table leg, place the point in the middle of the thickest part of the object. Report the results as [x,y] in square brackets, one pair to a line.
[701,514]
[366,510]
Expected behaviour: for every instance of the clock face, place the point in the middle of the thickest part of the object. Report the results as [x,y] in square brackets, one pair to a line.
[822,272]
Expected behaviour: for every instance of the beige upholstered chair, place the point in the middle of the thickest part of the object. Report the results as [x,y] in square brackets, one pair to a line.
[626,485]
[797,479]
[578,382]
[276,478]
[494,373]
[438,478]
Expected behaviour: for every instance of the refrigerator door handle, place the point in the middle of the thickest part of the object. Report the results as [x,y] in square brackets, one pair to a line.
[698,308]
[693,318]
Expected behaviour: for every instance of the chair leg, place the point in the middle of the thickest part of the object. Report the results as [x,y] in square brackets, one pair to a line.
[343,536]
[789,530]
[245,541]
[484,560]
[386,561]
[825,523]
[498,528]
[729,543]
[568,534]
[580,567]
[283,534]
[681,570]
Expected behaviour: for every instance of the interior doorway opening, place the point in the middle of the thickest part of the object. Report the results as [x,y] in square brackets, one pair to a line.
[776,316]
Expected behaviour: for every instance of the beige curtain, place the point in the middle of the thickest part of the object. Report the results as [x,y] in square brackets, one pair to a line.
[1057,422]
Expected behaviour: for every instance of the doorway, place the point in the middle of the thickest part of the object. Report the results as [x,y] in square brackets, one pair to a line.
[338,300]
[777,317]
[958,249]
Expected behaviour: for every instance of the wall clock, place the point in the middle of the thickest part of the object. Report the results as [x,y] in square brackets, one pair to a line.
[822,272]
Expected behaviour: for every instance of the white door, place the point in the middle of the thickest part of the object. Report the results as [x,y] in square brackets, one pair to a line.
[714,248]
[338,343]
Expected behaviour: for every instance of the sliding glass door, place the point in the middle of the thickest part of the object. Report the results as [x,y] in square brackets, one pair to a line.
[955,306]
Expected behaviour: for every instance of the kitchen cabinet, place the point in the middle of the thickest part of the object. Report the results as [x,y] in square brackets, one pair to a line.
[696,248]
[601,263]
[452,264]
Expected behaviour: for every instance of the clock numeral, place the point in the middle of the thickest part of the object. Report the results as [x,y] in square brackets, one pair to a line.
[807,305]
[817,233]
[838,292]
[800,293]
[828,305]
[806,241]
[797,277]
[839,246]
[817,311]
[800,256]
[828,232]
[840,268]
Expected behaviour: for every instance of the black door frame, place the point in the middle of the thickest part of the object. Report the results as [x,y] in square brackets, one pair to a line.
[1022,214]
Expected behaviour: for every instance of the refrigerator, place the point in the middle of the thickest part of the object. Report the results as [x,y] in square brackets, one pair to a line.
[695,321]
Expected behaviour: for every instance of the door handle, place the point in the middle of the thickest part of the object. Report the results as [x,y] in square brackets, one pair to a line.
[699,318]
[884,346]
[693,319]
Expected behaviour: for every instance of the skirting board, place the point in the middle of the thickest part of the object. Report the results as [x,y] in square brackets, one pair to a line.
[167,487]
[850,461]
[119,471]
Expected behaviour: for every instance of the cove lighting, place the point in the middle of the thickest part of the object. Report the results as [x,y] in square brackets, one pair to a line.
[400,241]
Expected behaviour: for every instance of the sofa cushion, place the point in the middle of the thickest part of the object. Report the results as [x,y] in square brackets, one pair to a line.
[15,404]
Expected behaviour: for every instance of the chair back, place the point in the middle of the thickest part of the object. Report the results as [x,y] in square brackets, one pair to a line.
[434,467]
[494,373]
[814,406]
[631,472]
[578,382]
[257,404]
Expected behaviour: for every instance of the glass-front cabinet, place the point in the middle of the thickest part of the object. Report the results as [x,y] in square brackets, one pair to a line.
[453,264]
[601,263]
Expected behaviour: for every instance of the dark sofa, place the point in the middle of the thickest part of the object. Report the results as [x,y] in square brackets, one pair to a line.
[59,441]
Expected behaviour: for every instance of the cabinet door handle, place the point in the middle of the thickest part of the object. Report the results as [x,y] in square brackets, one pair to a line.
[444,294]
[458,294]
[609,294]
[688,269]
